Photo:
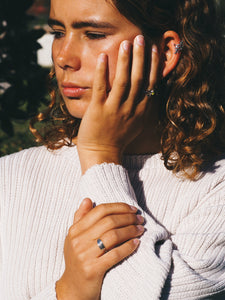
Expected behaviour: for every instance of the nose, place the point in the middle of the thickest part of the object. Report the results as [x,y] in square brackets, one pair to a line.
[68,55]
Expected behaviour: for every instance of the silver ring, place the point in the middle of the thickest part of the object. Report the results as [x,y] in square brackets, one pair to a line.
[100,244]
[150,93]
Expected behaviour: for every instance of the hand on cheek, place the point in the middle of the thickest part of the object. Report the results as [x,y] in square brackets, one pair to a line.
[113,120]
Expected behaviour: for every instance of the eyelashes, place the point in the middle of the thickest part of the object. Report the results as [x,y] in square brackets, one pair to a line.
[88,34]
[57,34]
[95,35]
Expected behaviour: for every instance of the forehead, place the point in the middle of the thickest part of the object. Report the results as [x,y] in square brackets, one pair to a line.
[99,10]
[82,8]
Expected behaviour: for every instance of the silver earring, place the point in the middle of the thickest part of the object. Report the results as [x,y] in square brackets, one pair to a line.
[179,47]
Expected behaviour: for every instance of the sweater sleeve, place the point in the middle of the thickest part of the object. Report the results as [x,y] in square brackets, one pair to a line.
[189,264]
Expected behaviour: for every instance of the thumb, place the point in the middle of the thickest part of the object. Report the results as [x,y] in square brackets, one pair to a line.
[85,207]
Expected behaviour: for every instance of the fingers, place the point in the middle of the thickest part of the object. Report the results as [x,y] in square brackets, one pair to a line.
[116,255]
[116,237]
[116,225]
[99,212]
[154,67]
[112,222]
[137,72]
[85,207]
[100,80]
[121,81]
[153,77]
[129,80]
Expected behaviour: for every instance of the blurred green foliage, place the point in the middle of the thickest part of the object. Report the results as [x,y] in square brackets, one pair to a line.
[22,80]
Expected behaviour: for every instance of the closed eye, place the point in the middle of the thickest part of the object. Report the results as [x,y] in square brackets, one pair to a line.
[95,35]
[57,34]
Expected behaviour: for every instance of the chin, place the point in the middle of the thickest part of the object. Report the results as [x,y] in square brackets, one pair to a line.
[76,114]
[76,108]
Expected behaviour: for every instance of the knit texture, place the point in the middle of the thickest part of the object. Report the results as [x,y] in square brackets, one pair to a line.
[182,252]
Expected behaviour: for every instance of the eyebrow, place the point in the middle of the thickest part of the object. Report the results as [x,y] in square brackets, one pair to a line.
[78,25]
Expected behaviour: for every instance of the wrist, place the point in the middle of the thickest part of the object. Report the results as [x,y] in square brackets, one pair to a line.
[91,157]
[63,291]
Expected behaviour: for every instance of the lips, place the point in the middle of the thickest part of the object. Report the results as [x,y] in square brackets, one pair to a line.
[72,90]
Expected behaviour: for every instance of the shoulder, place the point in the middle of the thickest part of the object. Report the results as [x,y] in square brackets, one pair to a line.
[24,157]
[210,187]
[37,158]
[215,173]
[26,153]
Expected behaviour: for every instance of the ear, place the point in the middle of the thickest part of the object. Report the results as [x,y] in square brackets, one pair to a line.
[171,55]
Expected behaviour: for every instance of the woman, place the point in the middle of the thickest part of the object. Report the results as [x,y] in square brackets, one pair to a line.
[145,172]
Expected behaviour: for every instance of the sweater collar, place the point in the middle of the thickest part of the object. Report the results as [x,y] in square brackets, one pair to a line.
[130,162]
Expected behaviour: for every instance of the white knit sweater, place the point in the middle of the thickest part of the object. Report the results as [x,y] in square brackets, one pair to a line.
[181,255]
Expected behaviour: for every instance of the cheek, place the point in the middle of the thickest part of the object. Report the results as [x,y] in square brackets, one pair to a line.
[55,50]
[110,48]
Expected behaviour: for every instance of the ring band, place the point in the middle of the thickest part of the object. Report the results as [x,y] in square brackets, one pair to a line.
[100,244]
[150,93]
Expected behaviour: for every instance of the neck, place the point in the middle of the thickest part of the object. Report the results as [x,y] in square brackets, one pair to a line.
[148,141]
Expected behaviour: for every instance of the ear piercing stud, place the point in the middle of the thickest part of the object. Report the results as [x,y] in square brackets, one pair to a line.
[179,47]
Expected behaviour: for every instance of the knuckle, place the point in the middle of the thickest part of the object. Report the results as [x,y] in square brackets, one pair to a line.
[127,113]
[100,88]
[110,222]
[139,116]
[114,236]
[125,206]
[124,58]
[138,82]
[70,234]
[121,83]
[106,209]
[75,243]
[132,219]
[89,272]
[140,112]
[81,257]
[101,209]
[116,256]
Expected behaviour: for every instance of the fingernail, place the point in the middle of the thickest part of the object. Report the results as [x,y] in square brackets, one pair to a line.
[101,57]
[140,228]
[126,45]
[136,242]
[140,40]
[140,219]
[133,208]
[154,49]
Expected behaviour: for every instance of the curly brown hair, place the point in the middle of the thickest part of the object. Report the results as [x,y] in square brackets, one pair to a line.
[192,95]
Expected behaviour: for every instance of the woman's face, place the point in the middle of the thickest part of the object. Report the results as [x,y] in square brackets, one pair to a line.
[83,30]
